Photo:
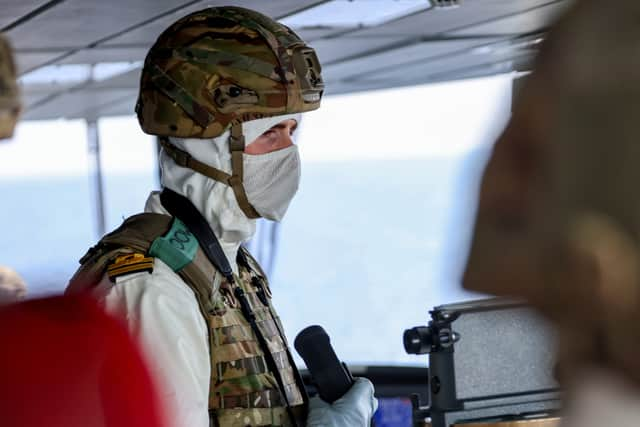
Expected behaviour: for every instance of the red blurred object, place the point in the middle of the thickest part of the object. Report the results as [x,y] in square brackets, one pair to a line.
[64,362]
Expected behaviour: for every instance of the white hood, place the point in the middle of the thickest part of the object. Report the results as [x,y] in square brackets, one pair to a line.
[214,200]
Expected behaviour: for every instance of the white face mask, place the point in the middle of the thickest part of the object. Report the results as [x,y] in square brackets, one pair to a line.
[271,180]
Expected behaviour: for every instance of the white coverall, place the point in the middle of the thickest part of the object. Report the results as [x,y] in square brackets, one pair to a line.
[162,312]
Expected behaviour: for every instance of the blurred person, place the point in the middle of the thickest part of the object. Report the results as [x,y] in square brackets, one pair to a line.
[559,213]
[64,362]
[10,106]
[12,286]
[223,89]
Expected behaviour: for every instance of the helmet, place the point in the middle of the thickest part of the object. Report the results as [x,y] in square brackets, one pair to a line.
[213,70]
[223,66]
[9,99]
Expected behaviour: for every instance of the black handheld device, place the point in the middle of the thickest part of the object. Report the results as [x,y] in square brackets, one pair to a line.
[332,377]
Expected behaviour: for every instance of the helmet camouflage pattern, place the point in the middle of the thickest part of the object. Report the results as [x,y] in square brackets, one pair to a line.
[223,66]
[9,99]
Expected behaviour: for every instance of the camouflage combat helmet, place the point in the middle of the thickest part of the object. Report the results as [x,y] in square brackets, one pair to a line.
[217,68]
[9,99]
[222,66]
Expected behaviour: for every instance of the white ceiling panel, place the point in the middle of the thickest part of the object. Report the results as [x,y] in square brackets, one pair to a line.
[124,107]
[95,110]
[438,21]
[434,45]
[313,34]
[145,35]
[77,104]
[27,61]
[343,87]
[78,23]
[104,54]
[534,20]
[417,77]
[31,98]
[399,57]
[447,68]
[43,91]
[88,98]
[128,80]
[337,49]
[13,10]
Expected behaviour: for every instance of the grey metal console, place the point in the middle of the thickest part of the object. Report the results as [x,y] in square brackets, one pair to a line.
[488,360]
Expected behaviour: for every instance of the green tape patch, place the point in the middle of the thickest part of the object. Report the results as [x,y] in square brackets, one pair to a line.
[177,248]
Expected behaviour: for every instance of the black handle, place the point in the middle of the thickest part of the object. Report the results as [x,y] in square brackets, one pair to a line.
[332,377]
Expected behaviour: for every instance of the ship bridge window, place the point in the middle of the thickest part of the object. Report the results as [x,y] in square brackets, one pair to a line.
[377,235]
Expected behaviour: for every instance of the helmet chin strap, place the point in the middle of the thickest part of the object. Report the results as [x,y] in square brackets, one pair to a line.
[236,148]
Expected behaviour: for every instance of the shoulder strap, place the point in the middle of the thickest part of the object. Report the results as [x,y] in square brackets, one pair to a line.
[245,257]
[138,234]
[134,235]
[182,208]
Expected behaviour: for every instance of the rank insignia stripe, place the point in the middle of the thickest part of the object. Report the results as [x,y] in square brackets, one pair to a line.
[131,263]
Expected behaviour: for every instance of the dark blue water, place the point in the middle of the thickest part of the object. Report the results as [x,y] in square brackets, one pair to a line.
[366,249]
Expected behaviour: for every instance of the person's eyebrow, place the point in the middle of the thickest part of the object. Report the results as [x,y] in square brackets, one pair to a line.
[282,126]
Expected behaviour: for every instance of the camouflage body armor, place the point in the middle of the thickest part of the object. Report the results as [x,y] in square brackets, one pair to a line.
[243,390]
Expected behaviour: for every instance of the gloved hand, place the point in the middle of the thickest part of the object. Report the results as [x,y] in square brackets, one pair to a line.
[354,409]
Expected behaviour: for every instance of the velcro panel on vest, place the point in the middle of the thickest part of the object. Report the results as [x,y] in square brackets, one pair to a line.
[177,248]
[259,399]
[238,360]
[137,234]
[134,235]
[275,417]
[238,333]
[245,349]
[249,384]
[244,384]
[256,399]
[250,366]
[235,316]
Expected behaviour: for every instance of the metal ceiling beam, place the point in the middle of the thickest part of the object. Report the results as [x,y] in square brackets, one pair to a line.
[95,161]
[443,35]
[337,68]
[99,43]
[111,36]
[447,55]
[508,15]
[29,16]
